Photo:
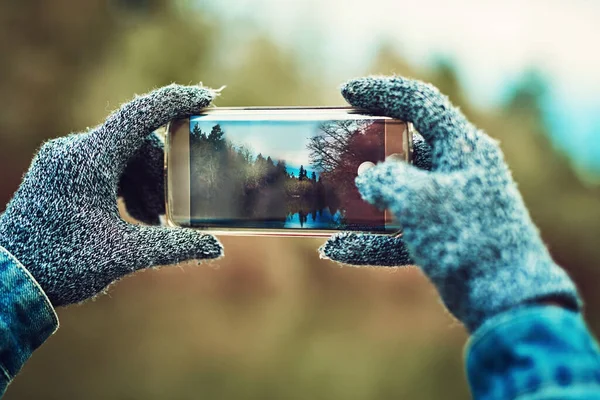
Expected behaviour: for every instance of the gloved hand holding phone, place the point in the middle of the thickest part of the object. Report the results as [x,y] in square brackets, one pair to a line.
[464,221]
[63,224]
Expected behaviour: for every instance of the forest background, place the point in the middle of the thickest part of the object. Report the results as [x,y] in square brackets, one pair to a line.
[270,320]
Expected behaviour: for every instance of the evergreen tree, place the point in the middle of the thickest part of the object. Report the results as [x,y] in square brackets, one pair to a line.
[215,137]
[271,170]
[281,169]
[313,177]
[197,132]
[301,173]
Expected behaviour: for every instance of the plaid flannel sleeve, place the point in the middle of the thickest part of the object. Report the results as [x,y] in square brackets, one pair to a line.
[534,352]
[27,318]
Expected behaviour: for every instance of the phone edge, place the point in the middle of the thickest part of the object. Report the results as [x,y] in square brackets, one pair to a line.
[185,219]
[180,174]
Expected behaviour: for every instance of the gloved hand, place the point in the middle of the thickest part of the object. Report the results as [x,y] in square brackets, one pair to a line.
[464,222]
[63,224]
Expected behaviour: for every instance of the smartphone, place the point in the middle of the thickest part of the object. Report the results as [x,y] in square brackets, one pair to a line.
[278,171]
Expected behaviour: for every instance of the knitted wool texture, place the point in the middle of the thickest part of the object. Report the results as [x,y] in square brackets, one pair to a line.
[63,224]
[464,222]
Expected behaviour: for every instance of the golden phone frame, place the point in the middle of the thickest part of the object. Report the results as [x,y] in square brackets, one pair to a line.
[398,141]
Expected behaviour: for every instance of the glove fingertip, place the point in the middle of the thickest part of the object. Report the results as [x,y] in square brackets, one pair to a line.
[188,96]
[329,250]
[359,249]
[383,184]
[359,91]
[422,153]
[166,245]
[210,247]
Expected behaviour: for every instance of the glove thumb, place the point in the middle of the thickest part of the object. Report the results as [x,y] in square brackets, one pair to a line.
[364,249]
[394,185]
[150,246]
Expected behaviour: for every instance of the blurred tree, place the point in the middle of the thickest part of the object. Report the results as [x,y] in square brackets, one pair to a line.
[282,169]
[566,210]
[155,50]
[46,46]
[444,75]
[196,131]
[387,61]
[264,74]
[215,137]
[302,173]
[58,77]
[526,98]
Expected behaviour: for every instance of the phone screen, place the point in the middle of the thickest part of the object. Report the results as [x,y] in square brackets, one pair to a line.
[290,173]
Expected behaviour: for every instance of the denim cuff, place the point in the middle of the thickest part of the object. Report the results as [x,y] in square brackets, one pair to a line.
[27,317]
[533,350]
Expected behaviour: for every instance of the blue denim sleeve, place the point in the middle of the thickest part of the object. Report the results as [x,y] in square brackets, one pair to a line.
[536,352]
[27,318]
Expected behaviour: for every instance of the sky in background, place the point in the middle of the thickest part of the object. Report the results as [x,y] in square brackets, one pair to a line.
[280,140]
[491,42]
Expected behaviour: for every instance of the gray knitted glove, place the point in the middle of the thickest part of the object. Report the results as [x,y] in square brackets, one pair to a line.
[63,224]
[464,222]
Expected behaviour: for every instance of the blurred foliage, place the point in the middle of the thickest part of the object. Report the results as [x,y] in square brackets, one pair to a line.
[270,320]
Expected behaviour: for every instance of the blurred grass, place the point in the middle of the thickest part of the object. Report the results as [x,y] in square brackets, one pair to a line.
[270,320]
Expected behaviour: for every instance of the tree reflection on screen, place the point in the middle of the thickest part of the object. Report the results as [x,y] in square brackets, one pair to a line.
[232,186]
